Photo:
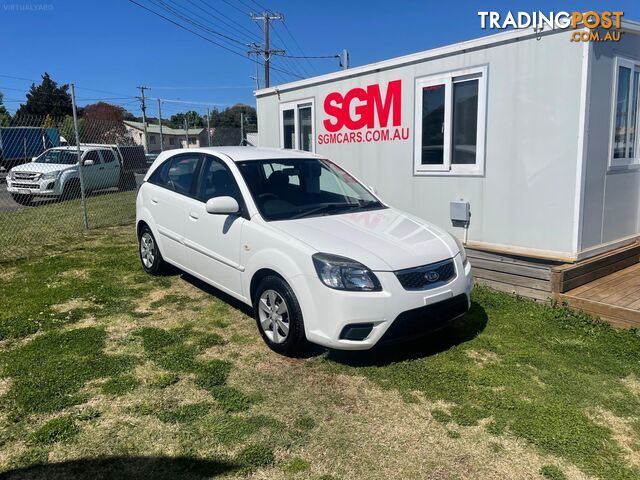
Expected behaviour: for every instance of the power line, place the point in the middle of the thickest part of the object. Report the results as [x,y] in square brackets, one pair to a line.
[224,47]
[251,34]
[221,87]
[284,24]
[308,56]
[163,5]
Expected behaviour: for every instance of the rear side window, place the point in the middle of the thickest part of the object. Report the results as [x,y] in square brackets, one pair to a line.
[108,156]
[181,173]
[177,173]
[159,177]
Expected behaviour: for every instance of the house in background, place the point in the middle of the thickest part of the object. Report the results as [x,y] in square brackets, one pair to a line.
[171,137]
[533,133]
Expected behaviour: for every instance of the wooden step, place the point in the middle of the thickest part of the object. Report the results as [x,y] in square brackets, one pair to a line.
[619,317]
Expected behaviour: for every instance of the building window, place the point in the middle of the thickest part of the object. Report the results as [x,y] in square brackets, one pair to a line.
[152,139]
[624,124]
[450,123]
[297,125]
[172,141]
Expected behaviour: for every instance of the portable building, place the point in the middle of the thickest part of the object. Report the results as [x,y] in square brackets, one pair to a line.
[534,130]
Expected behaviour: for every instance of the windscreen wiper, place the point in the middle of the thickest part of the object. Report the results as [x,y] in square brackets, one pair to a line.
[326,208]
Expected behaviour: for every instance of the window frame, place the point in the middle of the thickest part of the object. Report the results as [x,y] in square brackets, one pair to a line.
[295,105]
[625,163]
[448,79]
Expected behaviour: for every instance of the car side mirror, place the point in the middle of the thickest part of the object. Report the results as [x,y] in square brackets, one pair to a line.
[88,163]
[223,206]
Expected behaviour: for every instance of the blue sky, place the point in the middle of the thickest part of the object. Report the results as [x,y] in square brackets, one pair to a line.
[114,45]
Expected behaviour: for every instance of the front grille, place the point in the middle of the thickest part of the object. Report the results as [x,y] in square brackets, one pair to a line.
[28,176]
[25,185]
[427,277]
[429,318]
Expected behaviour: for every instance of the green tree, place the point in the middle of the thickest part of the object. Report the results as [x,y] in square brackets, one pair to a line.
[193,119]
[230,117]
[5,118]
[47,99]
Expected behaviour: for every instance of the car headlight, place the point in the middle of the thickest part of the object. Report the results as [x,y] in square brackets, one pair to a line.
[10,175]
[463,253]
[343,273]
[51,175]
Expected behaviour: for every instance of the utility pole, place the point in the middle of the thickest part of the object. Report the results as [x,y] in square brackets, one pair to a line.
[344,59]
[143,107]
[160,122]
[266,17]
[255,50]
[241,128]
[186,131]
[208,129]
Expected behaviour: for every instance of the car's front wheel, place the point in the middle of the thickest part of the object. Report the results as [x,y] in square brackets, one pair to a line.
[150,255]
[279,317]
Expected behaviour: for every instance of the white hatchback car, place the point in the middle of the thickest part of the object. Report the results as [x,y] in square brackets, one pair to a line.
[316,254]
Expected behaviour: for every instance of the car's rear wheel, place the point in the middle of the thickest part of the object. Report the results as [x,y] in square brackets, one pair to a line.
[22,199]
[150,255]
[279,317]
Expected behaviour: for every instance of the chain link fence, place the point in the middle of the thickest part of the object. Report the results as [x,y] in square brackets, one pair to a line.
[60,178]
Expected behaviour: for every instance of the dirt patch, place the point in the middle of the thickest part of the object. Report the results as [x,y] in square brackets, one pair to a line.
[633,384]
[622,432]
[73,304]
[482,357]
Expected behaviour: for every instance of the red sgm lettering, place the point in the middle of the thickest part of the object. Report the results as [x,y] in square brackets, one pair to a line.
[360,107]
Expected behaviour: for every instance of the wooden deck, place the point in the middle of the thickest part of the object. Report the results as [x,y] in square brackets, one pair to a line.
[615,298]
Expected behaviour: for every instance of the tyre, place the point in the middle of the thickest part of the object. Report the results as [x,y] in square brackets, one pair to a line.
[150,255]
[21,199]
[279,317]
[71,189]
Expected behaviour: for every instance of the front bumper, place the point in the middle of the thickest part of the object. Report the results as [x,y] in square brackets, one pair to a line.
[327,312]
[42,187]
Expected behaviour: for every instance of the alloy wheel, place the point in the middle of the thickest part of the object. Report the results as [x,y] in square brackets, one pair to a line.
[274,316]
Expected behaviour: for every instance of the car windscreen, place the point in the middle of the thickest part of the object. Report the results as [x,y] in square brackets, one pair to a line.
[296,188]
[66,157]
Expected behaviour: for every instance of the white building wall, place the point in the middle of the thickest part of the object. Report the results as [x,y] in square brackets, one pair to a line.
[611,204]
[526,197]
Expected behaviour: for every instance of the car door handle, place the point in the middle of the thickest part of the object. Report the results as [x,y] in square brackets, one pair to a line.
[154,200]
[193,216]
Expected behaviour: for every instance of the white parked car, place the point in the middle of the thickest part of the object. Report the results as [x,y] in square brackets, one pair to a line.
[316,254]
[56,173]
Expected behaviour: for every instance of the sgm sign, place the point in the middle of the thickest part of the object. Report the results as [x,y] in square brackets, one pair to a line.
[364,115]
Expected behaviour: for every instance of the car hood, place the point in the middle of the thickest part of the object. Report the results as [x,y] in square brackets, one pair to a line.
[382,240]
[41,167]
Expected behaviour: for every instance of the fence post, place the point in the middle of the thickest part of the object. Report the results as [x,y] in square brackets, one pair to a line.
[160,123]
[81,175]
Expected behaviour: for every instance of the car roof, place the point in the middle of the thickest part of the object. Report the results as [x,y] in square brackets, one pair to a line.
[241,154]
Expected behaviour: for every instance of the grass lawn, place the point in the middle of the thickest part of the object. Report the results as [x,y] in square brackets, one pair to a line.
[35,229]
[108,373]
